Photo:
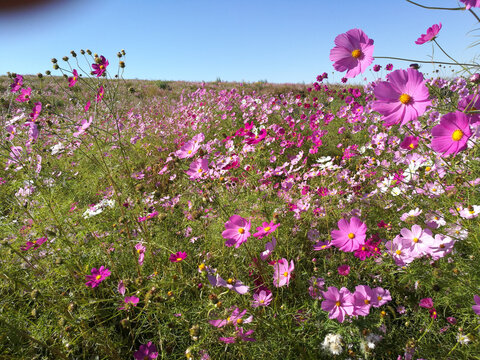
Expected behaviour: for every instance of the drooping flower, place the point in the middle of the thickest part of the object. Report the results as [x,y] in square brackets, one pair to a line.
[100,93]
[269,246]
[266,229]
[17,83]
[97,276]
[129,301]
[431,34]
[282,272]
[262,298]
[100,66]
[237,231]
[351,234]
[338,303]
[73,79]
[452,134]
[353,52]
[146,351]
[403,98]
[426,303]
[178,256]
[141,252]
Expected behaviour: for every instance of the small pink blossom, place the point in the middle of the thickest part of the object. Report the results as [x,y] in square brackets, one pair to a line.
[237,231]
[431,34]
[282,272]
[179,256]
[338,303]
[97,276]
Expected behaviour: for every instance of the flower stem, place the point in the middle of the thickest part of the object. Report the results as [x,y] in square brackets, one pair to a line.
[426,330]
[464,68]
[424,61]
[434,7]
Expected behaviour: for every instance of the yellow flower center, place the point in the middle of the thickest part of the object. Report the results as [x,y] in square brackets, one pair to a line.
[239,321]
[357,53]
[405,99]
[98,277]
[411,146]
[379,298]
[230,281]
[138,250]
[363,248]
[267,229]
[200,170]
[415,240]
[262,301]
[337,303]
[457,135]
[179,259]
[285,274]
[428,168]
[189,151]
[398,252]
[351,235]
[366,301]
[241,230]
[102,67]
[201,267]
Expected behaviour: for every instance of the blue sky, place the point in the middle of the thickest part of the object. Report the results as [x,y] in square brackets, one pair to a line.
[280,41]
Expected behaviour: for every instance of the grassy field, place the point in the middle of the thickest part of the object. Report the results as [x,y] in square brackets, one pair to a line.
[172,220]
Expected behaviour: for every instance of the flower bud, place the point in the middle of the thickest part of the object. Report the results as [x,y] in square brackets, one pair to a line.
[54,60]
[56,67]
[40,75]
[65,58]
[89,52]
[82,52]
[74,54]
[48,72]
[122,64]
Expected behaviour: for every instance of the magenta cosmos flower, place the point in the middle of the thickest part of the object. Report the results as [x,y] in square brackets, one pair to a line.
[338,303]
[97,276]
[73,80]
[350,236]
[198,168]
[452,134]
[431,34]
[237,231]
[146,351]
[178,256]
[403,98]
[24,95]
[266,229]
[141,252]
[282,272]
[17,83]
[100,67]
[129,301]
[35,244]
[409,143]
[353,52]
[471,3]
[476,307]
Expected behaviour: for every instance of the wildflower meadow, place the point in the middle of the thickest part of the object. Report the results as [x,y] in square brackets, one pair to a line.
[164,220]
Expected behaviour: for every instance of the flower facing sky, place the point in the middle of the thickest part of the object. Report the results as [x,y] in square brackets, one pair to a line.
[403,98]
[338,303]
[431,34]
[237,231]
[353,52]
[97,276]
[100,66]
[451,135]
[351,234]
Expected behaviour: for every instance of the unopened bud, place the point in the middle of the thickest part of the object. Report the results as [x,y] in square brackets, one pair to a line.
[122,64]
[74,54]
[65,58]
[54,60]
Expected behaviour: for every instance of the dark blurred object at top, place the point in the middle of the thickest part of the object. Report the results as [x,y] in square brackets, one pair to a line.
[22,5]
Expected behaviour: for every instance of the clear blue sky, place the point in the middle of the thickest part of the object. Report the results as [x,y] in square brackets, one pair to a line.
[281,41]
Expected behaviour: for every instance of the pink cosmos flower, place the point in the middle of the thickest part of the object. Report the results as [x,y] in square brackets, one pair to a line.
[240,334]
[198,169]
[316,287]
[282,272]
[431,34]
[85,124]
[471,3]
[471,105]
[24,95]
[409,143]
[35,244]
[266,229]
[343,270]
[100,67]
[73,80]
[262,298]
[476,307]
[452,134]
[381,297]
[351,234]
[417,240]
[121,287]
[337,303]
[97,276]
[141,252]
[399,251]
[17,83]
[426,303]
[129,301]
[237,231]
[403,98]
[353,52]
[146,351]
[234,318]
[100,93]
[178,256]
[362,300]
[37,108]
[253,139]
[235,285]
[188,150]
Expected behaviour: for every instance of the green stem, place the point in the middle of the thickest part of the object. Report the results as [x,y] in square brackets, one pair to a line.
[464,68]
[423,61]
[426,330]
[434,7]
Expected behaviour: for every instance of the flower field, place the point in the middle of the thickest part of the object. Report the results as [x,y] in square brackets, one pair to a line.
[164,220]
